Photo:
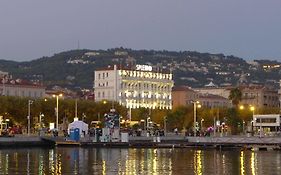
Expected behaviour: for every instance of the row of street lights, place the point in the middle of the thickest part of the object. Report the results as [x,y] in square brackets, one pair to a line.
[252,108]
[30,102]
[196,104]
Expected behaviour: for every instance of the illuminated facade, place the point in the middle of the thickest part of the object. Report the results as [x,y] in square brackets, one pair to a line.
[134,88]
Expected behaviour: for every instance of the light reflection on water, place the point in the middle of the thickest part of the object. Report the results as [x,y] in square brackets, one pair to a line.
[66,160]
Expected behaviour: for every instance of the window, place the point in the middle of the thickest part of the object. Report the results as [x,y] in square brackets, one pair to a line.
[99,76]
[266,120]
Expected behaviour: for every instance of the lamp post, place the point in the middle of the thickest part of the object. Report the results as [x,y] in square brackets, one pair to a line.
[243,126]
[195,105]
[147,123]
[252,108]
[28,117]
[57,110]
[201,123]
[165,125]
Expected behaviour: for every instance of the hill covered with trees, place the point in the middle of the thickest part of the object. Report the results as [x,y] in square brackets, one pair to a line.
[75,68]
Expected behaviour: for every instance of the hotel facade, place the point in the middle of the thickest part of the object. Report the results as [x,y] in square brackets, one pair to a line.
[136,87]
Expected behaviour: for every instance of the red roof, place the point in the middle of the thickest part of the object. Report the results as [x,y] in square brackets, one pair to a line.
[20,82]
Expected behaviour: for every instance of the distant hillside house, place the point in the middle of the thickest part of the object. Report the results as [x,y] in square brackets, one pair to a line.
[21,88]
[136,87]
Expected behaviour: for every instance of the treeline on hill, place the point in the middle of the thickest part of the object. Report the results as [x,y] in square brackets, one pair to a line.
[186,65]
[16,109]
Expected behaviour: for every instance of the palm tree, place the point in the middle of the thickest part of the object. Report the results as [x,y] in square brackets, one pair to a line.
[235,96]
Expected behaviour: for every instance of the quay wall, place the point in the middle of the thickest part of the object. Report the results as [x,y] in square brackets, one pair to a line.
[22,141]
[236,140]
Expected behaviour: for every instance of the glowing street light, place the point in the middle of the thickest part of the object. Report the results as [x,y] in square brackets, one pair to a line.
[196,104]
[252,108]
[28,117]
[57,110]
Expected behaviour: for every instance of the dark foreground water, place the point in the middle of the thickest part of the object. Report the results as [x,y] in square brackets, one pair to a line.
[138,161]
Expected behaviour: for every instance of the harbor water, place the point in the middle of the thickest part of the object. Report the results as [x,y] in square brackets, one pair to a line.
[77,160]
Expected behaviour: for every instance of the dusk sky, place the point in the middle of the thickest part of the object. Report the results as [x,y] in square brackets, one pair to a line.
[250,29]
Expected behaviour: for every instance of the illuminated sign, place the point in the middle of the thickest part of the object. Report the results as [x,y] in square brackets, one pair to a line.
[143,67]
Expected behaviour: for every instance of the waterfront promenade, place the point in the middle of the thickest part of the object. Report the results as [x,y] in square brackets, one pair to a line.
[165,141]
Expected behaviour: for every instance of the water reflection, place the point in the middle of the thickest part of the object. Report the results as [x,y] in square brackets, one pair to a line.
[137,161]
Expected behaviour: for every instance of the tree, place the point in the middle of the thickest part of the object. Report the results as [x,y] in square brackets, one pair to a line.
[232,120]
[235,96]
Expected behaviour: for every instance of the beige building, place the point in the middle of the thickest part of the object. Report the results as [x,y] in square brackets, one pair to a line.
[213,101]
[136,87]
[259,96]
[212,96]
[220,91]
[183,95]
[21,88]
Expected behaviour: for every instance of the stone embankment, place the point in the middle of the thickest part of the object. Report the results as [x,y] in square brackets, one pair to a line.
[149,142]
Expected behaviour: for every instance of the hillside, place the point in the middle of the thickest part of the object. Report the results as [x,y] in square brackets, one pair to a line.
[75,68]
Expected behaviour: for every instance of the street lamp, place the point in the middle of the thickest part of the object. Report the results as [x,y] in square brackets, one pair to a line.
[104,102]
[196,104]
[165,125]
[28,117]
[147,123]
[57,110]
[252,108]
[243,127]
[201,123]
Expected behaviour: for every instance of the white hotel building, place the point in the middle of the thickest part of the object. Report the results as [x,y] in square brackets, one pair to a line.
[134,88]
